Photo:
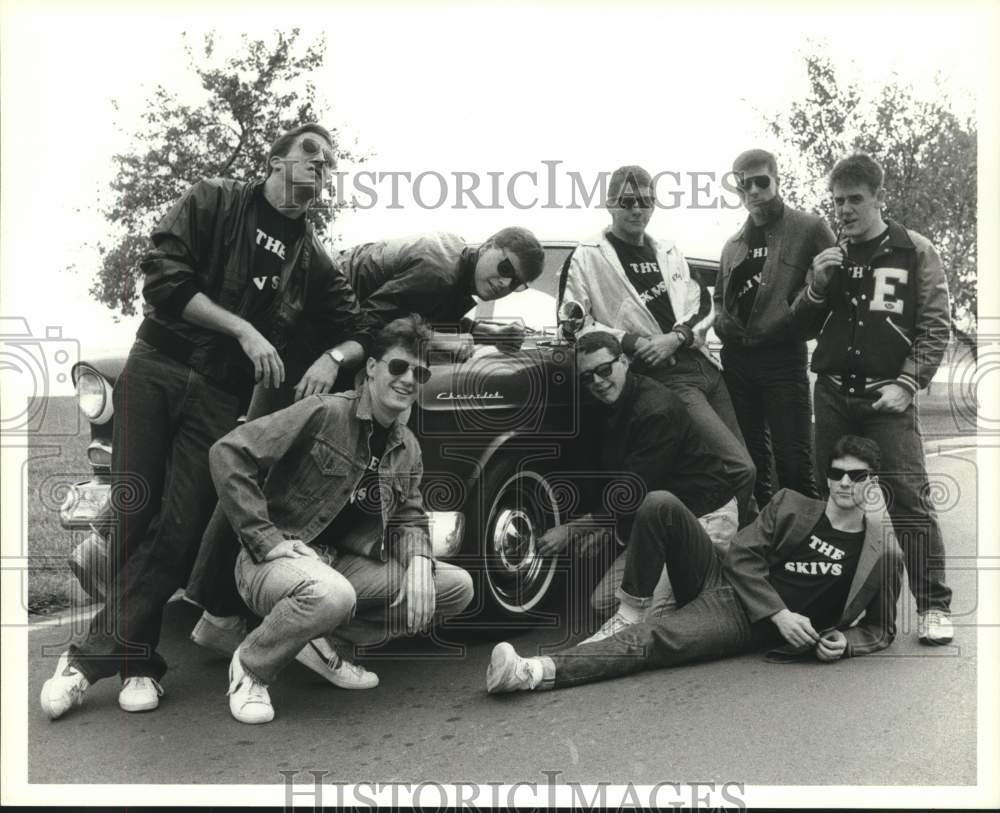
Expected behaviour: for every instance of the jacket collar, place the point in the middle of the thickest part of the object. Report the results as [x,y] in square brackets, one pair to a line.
[877,530]
[363,411]
[777,216]
[467,268]
[898,238]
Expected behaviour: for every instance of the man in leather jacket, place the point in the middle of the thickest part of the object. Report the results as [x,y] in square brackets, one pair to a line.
[762,269]
[233,269]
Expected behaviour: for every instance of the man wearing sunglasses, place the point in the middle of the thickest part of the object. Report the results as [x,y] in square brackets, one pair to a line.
[795,582]
[641,290]
[639,434]
[879,306]
[762,269]
[440,277]
[233,269]
[325,498]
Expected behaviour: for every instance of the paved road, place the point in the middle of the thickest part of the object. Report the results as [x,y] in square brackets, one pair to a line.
[905,716]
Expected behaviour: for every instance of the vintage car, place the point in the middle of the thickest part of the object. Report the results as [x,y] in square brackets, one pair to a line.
[493,430]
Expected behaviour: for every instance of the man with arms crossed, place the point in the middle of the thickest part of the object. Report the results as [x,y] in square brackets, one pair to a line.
[762,269]
[233,268]
[880,308]
[325,498]
[800,575]
[640,431]
[641,290]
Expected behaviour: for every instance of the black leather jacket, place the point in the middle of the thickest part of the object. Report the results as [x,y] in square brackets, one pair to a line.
[204,244]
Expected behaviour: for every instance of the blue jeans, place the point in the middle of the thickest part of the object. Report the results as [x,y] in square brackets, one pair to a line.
[770,393]
[903,477]
[166,418]
[699,384]
[305,598]
[709,623]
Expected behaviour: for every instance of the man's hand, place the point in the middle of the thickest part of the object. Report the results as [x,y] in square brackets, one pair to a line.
[831,647]
[291,549]
[509,337]
[794,628]
[417,591]
[555,539]
[589,536]
[267,364]
[318,378]
[658,349]
[894,398]
[824,266]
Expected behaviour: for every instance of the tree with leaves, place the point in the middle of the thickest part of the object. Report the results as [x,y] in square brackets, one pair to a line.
[928,153]
[249,99]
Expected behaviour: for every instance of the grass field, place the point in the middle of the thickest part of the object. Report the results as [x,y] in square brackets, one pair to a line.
[57,456]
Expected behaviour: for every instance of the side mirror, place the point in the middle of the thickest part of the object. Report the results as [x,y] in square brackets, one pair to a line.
[570,317]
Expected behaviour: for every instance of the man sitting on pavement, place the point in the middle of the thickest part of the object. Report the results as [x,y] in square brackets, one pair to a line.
[801,574]
[642,430]
[325,498]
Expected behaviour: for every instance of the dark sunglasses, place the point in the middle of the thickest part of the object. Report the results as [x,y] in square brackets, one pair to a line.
[763,182]
[505,268]
[600,371]
[855,475]
[398,367]
[312,146]
[631,201]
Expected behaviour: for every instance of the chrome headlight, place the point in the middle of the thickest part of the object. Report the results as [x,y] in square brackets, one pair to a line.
[93,394]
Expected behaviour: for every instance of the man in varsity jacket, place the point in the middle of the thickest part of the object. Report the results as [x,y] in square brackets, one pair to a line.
[879,303]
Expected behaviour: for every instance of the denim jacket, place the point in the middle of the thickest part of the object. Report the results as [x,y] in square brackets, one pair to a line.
[289,474]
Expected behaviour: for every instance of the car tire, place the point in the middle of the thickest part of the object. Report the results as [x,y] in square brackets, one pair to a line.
[512,506]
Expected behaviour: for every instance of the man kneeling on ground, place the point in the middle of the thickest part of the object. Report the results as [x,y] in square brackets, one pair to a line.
[337,524]
[801,574]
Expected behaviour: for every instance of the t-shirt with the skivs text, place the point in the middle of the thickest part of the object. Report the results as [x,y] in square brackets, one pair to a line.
[815,581]
[274,238]
[746,276]
[644,272]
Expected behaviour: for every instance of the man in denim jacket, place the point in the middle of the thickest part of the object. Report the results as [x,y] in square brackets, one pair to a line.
[325,499]
[797,579]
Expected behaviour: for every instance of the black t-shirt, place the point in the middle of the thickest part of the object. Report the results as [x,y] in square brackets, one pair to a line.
[365,505]
[643,271]
[815,582]
[746,276]
[275,236]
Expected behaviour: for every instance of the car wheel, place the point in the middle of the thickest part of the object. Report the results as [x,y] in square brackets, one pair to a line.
[517,506]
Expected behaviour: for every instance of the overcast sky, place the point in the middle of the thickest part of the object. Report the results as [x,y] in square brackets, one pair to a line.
[442,89]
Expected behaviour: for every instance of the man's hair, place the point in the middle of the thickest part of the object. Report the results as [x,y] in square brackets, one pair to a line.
[525,246]
[864,449]
[859,168]
[598,340]
[629,178]
[283,143]
[411,333]
[755,158]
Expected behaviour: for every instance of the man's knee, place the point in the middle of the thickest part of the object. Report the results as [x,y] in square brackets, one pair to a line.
[326,603]
[453,589]
[658,505]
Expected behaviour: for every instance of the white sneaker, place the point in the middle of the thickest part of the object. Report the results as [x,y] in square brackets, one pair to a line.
[64,689]
[509,672]
[222,639]
[140,694]
[319,656]
[249,701]
[934,627]
[611,627]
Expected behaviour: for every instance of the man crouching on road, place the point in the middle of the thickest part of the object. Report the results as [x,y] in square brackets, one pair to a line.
[801,574]
[338,523]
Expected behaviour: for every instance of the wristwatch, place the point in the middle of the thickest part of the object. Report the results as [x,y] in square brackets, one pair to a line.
[336,355]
